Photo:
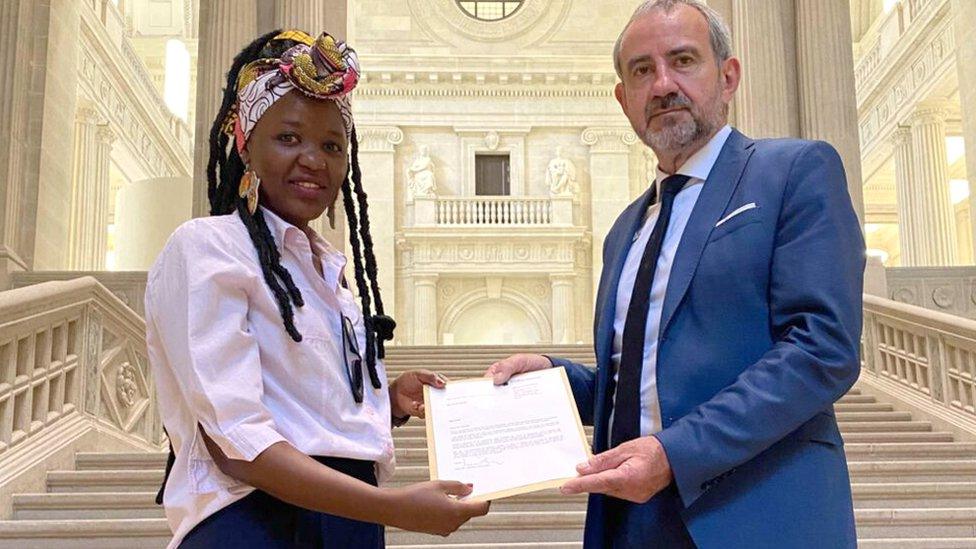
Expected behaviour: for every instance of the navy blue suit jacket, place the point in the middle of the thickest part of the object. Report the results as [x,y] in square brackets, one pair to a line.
[759,337]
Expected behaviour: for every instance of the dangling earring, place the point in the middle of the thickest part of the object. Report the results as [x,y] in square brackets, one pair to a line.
[330,214]
[250,183]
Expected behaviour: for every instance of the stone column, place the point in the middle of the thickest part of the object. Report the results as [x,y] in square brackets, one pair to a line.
[964,19]
[377,151]
[55,110]
[15,67]
[825,74]
[930,187]
[86,194]
[226,26]
[425,309]
[909,227]
[307,15]
[609,183]
[764,41]
[563,317]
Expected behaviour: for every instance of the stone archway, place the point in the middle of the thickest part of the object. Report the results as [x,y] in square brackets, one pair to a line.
[509,318]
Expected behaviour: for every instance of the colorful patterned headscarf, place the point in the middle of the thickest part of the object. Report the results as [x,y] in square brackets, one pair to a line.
[322,68]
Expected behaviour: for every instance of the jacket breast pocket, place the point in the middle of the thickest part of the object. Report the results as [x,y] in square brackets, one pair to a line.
[735,223]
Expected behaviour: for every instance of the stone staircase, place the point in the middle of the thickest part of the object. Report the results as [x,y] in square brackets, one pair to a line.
[913,486]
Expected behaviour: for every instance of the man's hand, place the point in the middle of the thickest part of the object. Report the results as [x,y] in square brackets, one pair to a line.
[521,363]
[407,391]
[635,471]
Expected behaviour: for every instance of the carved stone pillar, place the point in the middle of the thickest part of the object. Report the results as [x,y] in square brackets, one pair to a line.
[377,151]
[88,225]
[764,41]
[909,223]
[226,26]
[609,183]
[930,187]
[15,67]
[563,314]
[825,77]
[425,309]
[964,19]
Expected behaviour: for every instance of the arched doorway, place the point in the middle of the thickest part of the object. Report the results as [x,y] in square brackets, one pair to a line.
[493,322]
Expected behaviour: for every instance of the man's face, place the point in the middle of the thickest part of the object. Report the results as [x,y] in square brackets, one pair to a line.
[673,90]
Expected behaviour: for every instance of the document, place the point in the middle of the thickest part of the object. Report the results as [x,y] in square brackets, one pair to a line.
[507,440]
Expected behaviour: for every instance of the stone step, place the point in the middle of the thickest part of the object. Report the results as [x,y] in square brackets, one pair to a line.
[916,523]
[874,416]
[503,527]
[123,505]
[931,436]
[847,407]
[86,505]
[104,481]
[896,451]
[915,495]
[84,534]
[963,470]
[884,426]
[917,543]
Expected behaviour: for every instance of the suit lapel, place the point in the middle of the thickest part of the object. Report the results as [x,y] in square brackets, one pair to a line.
[712,202]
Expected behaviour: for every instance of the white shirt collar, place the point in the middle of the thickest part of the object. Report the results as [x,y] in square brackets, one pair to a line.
[700,164]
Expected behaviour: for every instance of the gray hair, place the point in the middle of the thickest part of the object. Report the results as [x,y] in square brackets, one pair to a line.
[718,32]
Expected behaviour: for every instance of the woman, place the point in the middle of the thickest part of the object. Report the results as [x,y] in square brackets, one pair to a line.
[257,346]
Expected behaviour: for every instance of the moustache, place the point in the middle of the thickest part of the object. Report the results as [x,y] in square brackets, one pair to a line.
[670,101]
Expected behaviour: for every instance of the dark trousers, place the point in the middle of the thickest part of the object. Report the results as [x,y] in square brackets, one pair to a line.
[655,524]
[261,521]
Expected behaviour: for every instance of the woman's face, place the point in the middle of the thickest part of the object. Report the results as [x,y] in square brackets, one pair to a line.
[298,149]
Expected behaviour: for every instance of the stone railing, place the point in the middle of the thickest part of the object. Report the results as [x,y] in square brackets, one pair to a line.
[946,289]
[128,286]
[493,210]
[71,349]
[927,354]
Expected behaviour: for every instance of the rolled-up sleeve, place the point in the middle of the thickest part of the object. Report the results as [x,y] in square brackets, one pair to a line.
[197,305]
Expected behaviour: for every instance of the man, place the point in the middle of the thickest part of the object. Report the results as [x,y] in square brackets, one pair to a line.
[727,318]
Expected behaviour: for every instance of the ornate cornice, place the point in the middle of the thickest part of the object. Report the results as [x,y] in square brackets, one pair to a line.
[110,71]
[892,96]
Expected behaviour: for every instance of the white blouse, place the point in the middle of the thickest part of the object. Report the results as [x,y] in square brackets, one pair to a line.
[221,358]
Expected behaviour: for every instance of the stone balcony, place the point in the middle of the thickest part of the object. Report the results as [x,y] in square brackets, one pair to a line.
[493,211]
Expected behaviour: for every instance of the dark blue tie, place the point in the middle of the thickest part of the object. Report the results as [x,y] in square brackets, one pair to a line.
[627,405]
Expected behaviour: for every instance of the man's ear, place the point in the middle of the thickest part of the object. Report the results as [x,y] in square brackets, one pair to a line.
[245,156]
[731,76]
[618,92]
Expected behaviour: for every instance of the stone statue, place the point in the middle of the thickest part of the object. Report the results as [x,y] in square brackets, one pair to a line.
[561,175]
[420,176]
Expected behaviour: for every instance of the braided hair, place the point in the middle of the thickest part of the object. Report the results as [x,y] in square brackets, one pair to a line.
[224,171]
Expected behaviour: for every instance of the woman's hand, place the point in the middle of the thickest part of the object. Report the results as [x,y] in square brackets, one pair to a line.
[432,508]
[407,391]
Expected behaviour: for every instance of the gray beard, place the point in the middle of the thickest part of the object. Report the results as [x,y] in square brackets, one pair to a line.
[678,136]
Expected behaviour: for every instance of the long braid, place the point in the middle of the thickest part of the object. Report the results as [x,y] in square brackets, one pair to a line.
[224,172]
[383,325]
[363,288]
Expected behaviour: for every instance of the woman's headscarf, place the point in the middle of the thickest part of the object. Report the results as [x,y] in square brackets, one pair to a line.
[322,68]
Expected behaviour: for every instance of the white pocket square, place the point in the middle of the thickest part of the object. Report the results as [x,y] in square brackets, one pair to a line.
[739,210]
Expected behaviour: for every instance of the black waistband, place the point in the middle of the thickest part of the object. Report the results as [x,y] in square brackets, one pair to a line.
[356,468]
